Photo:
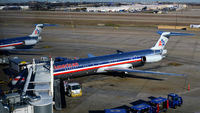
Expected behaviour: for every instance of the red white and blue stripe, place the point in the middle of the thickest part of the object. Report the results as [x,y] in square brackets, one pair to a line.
[11,44]
[96,66]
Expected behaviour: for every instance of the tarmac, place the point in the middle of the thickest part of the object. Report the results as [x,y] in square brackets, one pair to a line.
[105,91]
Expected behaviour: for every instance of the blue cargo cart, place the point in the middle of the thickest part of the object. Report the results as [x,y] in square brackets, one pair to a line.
[159,104]
[115,111]
[141,108]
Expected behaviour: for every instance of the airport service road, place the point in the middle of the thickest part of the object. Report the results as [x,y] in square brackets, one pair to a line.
[105,91]
[185,17]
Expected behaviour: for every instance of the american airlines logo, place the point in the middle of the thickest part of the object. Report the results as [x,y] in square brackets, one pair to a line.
[66,65]
[162,42]
[37,31]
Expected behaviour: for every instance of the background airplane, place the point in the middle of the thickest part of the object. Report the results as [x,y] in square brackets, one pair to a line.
[121,62]
[23,43]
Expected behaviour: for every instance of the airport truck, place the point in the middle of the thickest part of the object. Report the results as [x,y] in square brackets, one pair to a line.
[159,105]
[174,100]
[73,89]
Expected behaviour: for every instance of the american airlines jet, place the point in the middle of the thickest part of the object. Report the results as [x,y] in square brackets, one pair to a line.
[23,43]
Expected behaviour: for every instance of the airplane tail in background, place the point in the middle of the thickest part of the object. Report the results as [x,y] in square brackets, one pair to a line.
[164,37]
[38,29]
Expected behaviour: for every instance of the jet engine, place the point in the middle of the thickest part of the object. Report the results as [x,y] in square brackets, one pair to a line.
[30,42]
[152,58]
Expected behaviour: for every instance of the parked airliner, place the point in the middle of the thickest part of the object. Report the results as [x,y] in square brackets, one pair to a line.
[23,43]
[119,62]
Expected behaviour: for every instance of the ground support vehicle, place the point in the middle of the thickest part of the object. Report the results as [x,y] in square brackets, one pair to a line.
[174,100]
[73,89]
[115,111]
[159,105]
[141,108]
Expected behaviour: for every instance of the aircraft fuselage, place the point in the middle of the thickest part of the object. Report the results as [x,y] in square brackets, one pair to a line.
[98,64]
[14,43]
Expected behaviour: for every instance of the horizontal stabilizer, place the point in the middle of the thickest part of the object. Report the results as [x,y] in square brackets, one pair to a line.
[90,55]
[173,33]
[143,71]
[44,25]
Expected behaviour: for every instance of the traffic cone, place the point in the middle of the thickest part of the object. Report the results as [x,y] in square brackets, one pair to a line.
[188,87]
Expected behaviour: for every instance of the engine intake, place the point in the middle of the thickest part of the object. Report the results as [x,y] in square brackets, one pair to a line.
[152,58]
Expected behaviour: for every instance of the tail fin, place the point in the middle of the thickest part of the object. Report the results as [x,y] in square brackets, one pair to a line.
[38,29]
[164,37]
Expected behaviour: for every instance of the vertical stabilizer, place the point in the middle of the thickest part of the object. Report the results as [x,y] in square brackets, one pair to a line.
[38,30]
[164,37]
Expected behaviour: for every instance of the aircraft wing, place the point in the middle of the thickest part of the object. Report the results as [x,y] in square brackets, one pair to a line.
[141,71]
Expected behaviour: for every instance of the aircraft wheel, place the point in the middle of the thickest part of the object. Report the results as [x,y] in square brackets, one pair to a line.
[69,94]
[123,74]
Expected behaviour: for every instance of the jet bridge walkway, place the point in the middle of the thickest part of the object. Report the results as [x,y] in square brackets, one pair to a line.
[41,80]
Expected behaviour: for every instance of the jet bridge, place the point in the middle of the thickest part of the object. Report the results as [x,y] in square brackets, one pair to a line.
[37,94]
[40,84]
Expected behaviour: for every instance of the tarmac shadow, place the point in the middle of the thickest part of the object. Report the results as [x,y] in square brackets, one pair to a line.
[122,107]
[143,77]
[7,71]
[151,97]
[96,111]
[115,74]
[20,53]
